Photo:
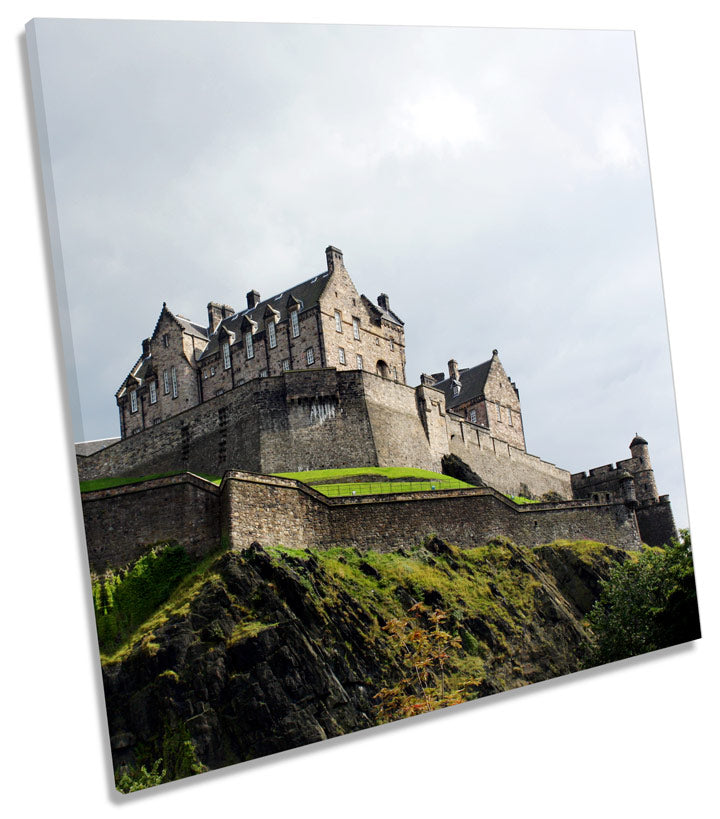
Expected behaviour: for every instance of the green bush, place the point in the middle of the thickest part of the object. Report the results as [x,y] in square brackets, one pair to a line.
[646,604]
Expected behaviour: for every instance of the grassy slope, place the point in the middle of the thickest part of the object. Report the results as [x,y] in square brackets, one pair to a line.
[355,485]
[109,483]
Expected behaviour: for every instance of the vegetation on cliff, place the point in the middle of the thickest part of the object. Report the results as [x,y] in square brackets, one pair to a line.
[646,604]
[249,653]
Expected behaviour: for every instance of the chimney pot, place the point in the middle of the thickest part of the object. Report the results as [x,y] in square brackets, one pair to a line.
[384,301]
[453,371]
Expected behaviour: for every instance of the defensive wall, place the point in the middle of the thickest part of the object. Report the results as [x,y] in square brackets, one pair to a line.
[322,419]
[122,522]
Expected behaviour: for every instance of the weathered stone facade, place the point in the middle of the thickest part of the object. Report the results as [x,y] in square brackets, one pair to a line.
[322,322]
[120,523]
[323,418]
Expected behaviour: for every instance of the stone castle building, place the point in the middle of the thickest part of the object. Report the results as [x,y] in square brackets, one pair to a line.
[314,377]
[320,323]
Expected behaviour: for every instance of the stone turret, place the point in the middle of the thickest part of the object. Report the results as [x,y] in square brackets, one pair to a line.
[645,486]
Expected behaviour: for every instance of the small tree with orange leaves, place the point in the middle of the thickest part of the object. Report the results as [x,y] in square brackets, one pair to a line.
[426,654]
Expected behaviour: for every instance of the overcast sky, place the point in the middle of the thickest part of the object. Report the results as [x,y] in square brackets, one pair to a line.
[493,182]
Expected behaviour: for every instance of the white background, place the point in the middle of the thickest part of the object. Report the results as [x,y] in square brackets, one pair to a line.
[635,739]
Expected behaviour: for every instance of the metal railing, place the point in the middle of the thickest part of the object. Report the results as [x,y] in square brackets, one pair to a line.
[385,488]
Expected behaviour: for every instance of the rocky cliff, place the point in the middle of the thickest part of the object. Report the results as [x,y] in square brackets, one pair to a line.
[268,649]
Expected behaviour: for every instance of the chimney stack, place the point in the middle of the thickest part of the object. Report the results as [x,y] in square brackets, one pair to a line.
[227,311]
[334,258]
[384,301]
[453,371]
[215,315]
[146,347]
[253,299]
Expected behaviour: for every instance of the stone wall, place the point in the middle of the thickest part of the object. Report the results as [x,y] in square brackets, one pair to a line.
[319,419]
[656,522]
[122,522]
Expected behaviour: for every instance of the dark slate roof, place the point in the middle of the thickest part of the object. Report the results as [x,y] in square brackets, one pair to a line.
[472,385]
[637,440]
[190,327]
[307,293]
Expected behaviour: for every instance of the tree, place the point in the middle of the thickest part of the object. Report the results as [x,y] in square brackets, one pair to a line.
[646,604]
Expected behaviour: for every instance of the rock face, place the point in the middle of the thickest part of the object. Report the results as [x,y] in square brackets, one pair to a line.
[271,649]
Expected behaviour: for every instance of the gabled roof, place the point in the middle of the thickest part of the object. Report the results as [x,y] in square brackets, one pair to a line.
[382,313]
[472,385]
[306,294]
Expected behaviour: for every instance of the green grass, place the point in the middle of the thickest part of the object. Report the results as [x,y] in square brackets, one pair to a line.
[109,483]
[414,483]
[519,499]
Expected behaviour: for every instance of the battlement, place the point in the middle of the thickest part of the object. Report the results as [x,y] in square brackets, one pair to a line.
[246,508]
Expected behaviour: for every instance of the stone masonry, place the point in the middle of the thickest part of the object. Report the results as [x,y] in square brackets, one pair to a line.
[123,522]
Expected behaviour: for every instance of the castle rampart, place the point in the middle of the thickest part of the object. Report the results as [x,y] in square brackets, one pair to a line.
[122,522]
[322,419]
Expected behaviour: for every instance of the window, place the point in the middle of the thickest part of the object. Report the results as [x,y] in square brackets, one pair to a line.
[358,362]
[356,327]
[173,377]
[249,344]
[212,370]
[263,373]
[341,355]
[473,416]
[166,382]
[219,392]
[456,389]
[286,365]
[509,416]
[338,321]
[272,337]
[395,373]
[294,325]
[392,344]
[226,355]
[133,401]
[310,355]
[499,412]
[157,421]
[153,392]
[166,340]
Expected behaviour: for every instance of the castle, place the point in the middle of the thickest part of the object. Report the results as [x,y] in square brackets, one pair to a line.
[314,377]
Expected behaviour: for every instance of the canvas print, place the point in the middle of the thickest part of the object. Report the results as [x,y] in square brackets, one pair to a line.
[368,369]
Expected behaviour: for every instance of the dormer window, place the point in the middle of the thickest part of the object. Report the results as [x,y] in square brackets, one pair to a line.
[249,350]
[473,416]
[455,388]
[338,321]
[133,401]
[226,355]
[272,337]
[356,327]
[294,324]
[153,392]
